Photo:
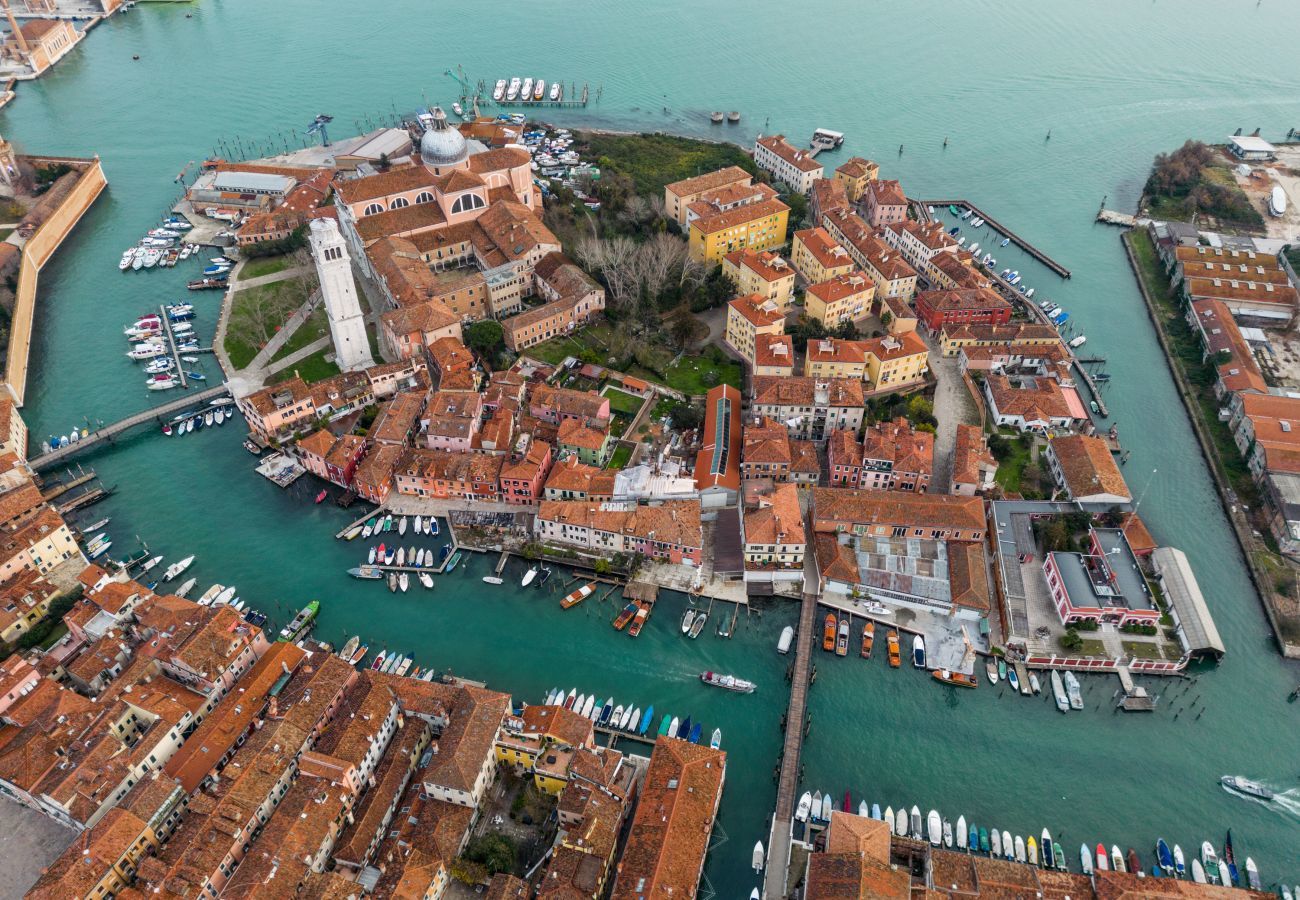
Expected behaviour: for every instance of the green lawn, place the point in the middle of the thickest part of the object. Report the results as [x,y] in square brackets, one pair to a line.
[623,402]
[689,374]
[316,326]
[265,265]
[1142,649]
[312,369]
[597,338]
[1091,647]
[257,313]
[1012,467]
[654,160]
[622,453]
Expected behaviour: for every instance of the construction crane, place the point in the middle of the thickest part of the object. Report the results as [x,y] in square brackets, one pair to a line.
[318,125]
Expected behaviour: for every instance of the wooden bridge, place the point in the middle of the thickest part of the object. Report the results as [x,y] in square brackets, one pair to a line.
[778,842]
[1005,232]
[109,432]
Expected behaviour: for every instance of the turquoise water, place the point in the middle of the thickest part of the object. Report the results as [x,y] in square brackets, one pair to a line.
[1115,82]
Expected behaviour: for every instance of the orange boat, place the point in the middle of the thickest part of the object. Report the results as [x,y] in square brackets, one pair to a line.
[894,659]
[842,641]
[626,615]
[868,638]
[578,596]
[960,679]
[638,621]
[828,635]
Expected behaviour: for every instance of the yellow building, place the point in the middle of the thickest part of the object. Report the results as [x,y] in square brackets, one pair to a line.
[749,317]
[844,298]
[818,256]
[835,358]
[681,194]
[761,273]
[773,355]
[855,174]
[542,742]
[758,224]
[896,361]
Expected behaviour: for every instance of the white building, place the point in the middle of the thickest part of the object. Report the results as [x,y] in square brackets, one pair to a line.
[339,291]
[787,163]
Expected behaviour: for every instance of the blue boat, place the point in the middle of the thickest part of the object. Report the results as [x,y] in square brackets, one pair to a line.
[1156,871]
[696,730]
[954,231]
[442,554]
[605,711]
[1005,241]
[645,721]
[875,812]
[984,840]
[684,729]
[196,376]
[1060,317]
[1163,856]
[451,563]
[434,530]
[973,841]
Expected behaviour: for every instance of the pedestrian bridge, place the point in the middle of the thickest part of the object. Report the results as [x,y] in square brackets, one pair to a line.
[157,414]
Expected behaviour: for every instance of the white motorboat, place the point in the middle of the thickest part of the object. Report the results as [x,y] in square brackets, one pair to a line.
[757,861]
[512,93]
[528,577]
[404,581]
[163,382]
[426,579]
[500,90]
[127,259]
[177,568]
[805,803]
[526,92]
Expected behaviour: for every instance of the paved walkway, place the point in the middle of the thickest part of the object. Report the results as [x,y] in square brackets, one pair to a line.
[250,378]
[29,841]
[953,405]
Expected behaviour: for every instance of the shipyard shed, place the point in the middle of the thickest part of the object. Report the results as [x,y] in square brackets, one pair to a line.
[1186,603]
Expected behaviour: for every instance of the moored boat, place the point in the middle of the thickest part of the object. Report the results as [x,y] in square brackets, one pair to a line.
[828,632]
[842,638]
[957,679]
[1058,692]
[578,596]
[1072,690]
[894,656]
[868,638]
[300,623]
[918,651]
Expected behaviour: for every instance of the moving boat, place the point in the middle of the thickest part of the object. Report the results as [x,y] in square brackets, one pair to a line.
[728,682]
[828,632]
[918,651]
[578,596]
[1246,786]
[842,639]
[868,638]
[300,623]
[894,657]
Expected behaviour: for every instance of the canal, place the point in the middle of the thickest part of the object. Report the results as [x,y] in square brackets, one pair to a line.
[1115,82]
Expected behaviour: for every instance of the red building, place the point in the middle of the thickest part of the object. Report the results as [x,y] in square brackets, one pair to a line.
[1103,585]
[524,475]
[974,306]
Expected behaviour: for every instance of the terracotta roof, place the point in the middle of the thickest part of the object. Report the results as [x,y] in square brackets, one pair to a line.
[739,215]
[766,442]
[1011,333]
[764,263]
[573,433]
[842,287]
[773,350]
[397,180]
[1231,289]
[674,522]
[856,167]
[560,725]
[1035,399]
[1088,466]
[669,837]
[962,299]
[800,159]
[574,476]
[757,310]
[718,462]
[824,248]
[904,447]
[895,346]
[318,443]
[838,507]
[691,187]
[777,518]
[773,390]
[837,350]
[886,192]
[970,452]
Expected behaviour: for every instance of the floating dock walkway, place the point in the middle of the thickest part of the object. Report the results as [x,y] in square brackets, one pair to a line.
[1005,232]
[109,432]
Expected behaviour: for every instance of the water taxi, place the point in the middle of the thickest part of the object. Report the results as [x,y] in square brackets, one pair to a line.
[639,620]
[895,659]
[828,633]
[578,596]
[842,638]
[868,638]
[728,682]
[625,615]
[539,90]
[957,679]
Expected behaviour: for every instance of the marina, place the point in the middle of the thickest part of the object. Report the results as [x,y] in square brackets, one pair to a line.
[1001,229]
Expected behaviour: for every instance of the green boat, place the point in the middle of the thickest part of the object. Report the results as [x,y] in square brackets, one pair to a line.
[301,623]
[665,725]
[954,210]
[1002,669]
[984,840]
[451,563]
[1058,854]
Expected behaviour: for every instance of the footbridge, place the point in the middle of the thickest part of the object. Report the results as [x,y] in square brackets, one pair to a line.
[156,414]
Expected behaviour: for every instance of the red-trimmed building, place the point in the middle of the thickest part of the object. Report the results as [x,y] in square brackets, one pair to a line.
[1103,585]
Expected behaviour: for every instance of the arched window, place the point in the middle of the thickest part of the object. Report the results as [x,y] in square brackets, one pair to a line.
[424,197]
[467,202]
[372,209]
[399,202]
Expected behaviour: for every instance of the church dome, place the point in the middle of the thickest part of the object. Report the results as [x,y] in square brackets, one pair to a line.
[442,145]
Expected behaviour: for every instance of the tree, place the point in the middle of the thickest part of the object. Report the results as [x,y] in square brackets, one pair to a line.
[685,328]
[1071,640]
[384,162]
[798,204]
[886,317]
[495,852]
[485,337]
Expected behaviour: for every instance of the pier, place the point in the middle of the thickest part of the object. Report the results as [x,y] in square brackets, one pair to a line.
[156,414]
[778,840]
[171,345]
[1005,232]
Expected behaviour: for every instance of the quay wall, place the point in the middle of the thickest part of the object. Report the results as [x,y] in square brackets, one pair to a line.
[36,252]
[1241,527]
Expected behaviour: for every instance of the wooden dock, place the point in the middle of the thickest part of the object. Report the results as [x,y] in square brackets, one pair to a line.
[171,345]
[1005,232]
[63,487]
[778,843]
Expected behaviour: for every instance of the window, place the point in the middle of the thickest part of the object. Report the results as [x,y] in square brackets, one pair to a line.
[467,202]
[399,203]
[372,209]
[424,197]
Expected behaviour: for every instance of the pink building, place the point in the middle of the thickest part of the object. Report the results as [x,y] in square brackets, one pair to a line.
[524,475]
[17,678]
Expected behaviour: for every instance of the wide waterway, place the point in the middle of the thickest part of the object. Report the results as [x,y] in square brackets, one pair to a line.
[1115,81]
